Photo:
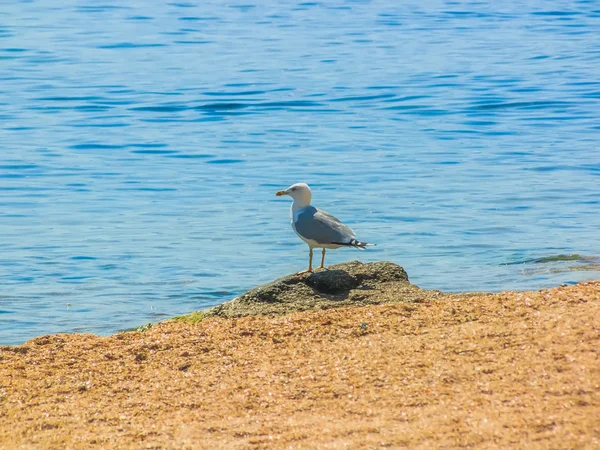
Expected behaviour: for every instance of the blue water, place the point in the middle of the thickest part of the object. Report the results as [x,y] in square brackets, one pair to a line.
[141,147]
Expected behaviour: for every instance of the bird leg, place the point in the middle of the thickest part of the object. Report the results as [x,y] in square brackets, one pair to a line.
[310,255]
[322,259]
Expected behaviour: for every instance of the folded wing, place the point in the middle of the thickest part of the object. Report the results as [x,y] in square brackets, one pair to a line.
[322,227]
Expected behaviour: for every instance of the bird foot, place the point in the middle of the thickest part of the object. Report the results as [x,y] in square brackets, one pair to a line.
[302,272]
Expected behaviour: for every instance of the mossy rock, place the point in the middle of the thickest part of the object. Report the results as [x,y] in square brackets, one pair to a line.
[346,284]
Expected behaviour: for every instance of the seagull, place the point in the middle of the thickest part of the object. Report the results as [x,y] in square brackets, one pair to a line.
[316,227]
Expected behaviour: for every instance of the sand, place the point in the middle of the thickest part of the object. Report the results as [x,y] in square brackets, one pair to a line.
[508,370]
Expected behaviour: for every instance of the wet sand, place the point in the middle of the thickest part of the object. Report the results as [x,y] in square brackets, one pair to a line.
[508,370]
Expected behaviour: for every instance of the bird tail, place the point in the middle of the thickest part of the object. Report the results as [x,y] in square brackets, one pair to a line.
[356,244]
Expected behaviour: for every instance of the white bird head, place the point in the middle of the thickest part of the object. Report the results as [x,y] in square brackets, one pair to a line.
[300,192]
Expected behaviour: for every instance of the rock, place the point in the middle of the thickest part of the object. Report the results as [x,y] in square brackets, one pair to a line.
[346,284]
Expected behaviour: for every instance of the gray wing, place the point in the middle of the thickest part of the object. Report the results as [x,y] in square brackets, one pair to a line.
[312,223]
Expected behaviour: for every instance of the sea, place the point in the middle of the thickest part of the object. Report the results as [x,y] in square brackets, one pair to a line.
[142,143]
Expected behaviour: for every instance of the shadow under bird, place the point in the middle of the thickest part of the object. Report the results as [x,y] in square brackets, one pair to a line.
[317,228]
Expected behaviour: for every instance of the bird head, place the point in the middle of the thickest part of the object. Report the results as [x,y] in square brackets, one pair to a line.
[300,192]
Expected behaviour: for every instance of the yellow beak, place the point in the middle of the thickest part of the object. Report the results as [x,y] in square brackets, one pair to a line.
[280,193]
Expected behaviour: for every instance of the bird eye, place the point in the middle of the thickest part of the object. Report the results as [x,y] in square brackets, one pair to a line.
[293,189]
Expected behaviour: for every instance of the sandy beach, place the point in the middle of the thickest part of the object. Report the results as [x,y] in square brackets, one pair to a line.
[507,370]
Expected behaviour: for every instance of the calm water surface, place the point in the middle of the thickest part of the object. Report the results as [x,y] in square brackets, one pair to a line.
[141,147]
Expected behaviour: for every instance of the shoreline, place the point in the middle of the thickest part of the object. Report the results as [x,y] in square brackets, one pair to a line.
[512,369]
[590,264]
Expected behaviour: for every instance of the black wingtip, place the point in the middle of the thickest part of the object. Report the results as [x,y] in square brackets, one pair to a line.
[355,243]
